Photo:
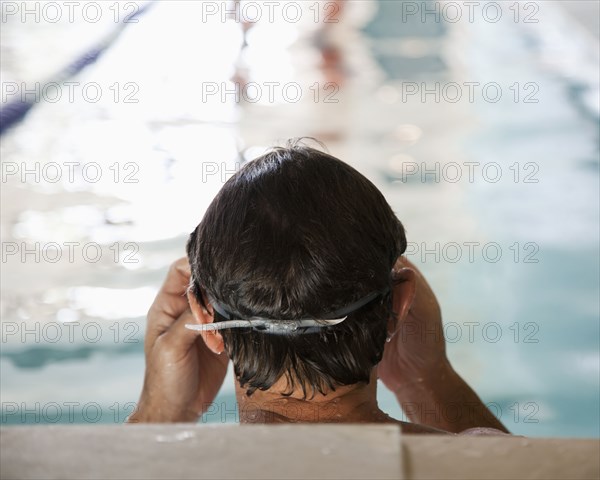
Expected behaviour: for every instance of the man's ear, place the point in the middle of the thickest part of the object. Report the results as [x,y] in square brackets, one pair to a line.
[403,294]
[202,315]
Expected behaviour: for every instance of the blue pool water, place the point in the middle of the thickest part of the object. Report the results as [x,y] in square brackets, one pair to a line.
[512,252]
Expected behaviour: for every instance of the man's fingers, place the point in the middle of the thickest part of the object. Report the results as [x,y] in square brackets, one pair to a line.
[172,292]
[171,300]
[179,338]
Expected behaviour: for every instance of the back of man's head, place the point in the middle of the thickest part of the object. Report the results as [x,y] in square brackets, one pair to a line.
[296,234]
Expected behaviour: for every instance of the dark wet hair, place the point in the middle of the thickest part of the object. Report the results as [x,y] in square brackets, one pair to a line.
[297,233]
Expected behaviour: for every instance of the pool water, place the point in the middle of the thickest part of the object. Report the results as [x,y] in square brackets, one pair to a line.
[498,193]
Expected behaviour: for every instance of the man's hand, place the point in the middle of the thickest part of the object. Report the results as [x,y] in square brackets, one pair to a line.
[415,366]
[182,375]
[417,347]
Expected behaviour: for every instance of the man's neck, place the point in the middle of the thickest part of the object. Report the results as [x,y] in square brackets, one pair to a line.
[348,404]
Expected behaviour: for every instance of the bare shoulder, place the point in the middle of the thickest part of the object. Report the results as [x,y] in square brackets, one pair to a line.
[476,431]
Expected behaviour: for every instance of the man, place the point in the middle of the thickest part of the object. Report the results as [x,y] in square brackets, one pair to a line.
[296,274]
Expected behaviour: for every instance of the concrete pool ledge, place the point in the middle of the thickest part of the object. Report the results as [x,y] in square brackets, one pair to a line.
[284,451]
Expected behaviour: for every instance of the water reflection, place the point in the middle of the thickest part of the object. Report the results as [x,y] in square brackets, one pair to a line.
[184,103]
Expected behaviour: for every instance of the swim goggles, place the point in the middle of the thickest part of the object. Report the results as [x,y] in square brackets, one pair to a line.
[282,327]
